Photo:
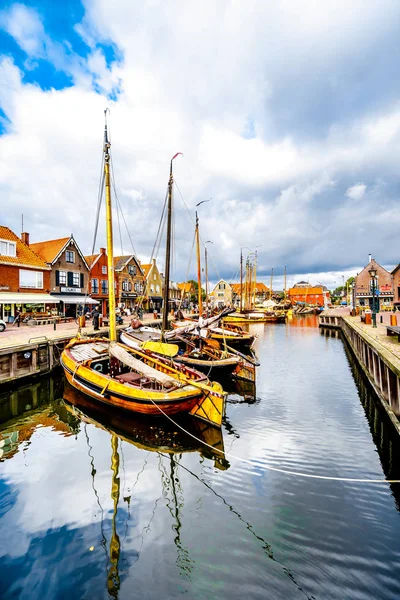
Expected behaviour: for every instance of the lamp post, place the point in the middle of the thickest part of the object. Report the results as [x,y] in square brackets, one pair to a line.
[372,274]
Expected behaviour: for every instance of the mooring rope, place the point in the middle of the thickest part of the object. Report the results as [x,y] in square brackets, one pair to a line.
[269,467]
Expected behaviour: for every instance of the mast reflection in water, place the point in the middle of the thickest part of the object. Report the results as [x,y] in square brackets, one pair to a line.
[171,516]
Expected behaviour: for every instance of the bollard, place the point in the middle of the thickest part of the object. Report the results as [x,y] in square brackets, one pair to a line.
[393,320]
[368,318]
[381,318]
[54,324]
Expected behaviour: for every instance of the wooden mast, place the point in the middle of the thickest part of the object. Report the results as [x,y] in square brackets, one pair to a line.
[109,233]
[270,286]
[168,251]
[205,256]
[241,280]
[284,285]
[200,301]
[167,254]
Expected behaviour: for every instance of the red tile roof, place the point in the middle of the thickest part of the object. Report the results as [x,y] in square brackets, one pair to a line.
[90,259]
[261,287]
[25,255]
[146,269]
[50,249]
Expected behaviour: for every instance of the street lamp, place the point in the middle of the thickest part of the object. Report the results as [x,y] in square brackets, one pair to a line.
[372,274]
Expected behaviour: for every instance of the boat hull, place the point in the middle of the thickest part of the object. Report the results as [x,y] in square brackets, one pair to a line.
[112,393]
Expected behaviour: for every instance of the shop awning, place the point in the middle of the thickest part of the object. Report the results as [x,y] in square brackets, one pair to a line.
[75,299]
[21,298]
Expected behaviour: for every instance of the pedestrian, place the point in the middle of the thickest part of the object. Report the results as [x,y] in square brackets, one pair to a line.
[17,319]
[96,316]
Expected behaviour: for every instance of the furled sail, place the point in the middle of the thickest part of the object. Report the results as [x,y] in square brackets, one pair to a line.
[129,360]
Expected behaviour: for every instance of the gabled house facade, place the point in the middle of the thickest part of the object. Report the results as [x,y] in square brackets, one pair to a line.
[24,277]
[130,280]
[221,294]
[152,298]
[69,280]
[363,290]
[98,279]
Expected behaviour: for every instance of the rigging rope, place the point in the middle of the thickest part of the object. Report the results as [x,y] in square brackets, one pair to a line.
[269,467]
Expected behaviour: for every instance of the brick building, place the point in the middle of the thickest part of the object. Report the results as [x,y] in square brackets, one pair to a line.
[130,281]
[384,287]
[24,277]
[305,293]
[98,276]
[69,280]
[396,285]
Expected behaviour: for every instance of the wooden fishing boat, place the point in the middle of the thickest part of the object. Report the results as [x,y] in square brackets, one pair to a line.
[120,377]
[203,354]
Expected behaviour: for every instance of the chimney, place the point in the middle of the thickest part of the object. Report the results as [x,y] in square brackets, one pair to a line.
[25,238]
[369,258]
[154,261]
[102,250]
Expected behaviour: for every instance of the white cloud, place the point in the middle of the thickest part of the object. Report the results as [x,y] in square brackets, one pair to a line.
[191,80]
[356,192]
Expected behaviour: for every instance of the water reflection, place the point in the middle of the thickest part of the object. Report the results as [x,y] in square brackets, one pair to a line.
[100,506]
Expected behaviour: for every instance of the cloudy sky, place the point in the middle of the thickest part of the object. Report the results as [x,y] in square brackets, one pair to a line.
[287,114]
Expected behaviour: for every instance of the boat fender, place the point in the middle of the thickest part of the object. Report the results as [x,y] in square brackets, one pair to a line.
[98,367]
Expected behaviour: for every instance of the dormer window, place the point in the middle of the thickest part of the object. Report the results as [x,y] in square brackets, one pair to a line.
[70,256]
[8,248]
[104,270]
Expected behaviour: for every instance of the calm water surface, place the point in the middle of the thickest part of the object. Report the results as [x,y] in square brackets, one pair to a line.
[92,509]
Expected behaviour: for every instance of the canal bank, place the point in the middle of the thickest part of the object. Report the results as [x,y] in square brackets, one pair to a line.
[377,354]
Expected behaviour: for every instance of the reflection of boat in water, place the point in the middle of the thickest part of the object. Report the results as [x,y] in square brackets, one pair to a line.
[160,435]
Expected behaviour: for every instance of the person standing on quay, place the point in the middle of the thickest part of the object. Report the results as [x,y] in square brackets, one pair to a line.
[96,315]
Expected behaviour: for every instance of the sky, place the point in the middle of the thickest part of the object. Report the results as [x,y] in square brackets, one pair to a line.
[287,114]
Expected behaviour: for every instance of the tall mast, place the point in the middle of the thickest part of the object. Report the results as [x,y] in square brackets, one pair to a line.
[206,262]
[200,301]
[241,280]
[109,232]
[168,250]
[255,279]
[270,286]
[167,253]
[284,285]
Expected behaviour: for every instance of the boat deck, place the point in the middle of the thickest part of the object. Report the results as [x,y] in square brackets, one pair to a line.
[82,352]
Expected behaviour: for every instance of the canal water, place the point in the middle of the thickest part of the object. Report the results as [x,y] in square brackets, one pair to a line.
[130,509]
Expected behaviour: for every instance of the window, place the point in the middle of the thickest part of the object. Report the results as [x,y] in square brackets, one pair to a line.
[125,286]
[62,278]
[152,289]
[104,270]
[221,286]
[157,289]
[76,279]
[8,248]
[95,286]
[70,256]
[104,286]
[31,279]
[154,276]
[132,270]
